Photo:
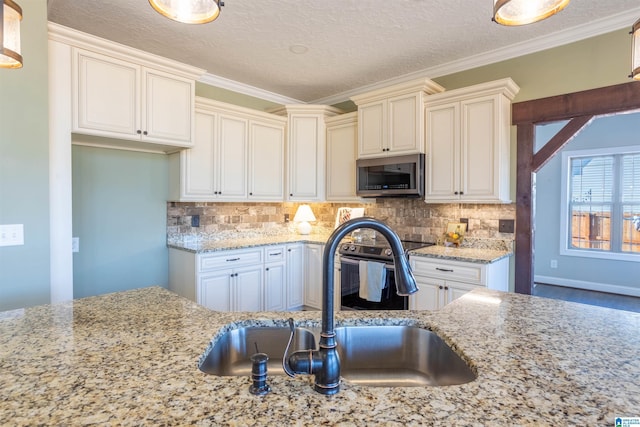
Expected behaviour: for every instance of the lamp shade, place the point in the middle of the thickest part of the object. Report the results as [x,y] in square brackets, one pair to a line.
[188,11]
[635,54]
[10,17]
[304,214]
[521,12]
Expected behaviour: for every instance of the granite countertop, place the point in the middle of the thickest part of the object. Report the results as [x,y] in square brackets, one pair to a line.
[204,246]
[483,255]
[130,358]
[477,255]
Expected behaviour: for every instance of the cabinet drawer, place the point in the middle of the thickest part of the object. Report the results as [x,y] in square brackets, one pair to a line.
[449,270]
[274,254]
[229,259]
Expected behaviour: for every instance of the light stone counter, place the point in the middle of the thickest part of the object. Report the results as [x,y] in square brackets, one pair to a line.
[204,246]
[130,358]
[477,255]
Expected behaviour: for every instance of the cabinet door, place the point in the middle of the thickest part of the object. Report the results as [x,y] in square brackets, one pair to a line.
[454,290]
[232,142]
[266,162]
[275,295]
[107,98]
[341,162]
[248,289]
[167,108]
[429,295]
[480,155]
[372,129]
[197,165]
[313,276]
[295,276]
[405,124]
[443,153]
[305,147]
[215,290]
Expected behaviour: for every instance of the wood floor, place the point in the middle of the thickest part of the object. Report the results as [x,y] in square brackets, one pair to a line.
[619,302]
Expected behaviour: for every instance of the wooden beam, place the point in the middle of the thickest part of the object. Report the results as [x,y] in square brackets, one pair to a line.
[524,217]
[606,100]
[556,143]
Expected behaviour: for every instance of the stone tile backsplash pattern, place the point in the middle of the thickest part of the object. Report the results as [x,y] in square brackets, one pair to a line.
[412,219]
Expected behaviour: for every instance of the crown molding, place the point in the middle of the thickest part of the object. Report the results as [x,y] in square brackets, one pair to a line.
[78,39]
[232,85]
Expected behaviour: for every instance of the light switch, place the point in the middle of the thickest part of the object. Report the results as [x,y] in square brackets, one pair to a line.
[75,244]
[11,234]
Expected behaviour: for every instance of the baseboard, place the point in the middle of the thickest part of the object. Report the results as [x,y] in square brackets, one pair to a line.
[591,286]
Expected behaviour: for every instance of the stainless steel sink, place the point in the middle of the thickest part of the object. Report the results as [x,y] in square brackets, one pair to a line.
[375,356]
[230,355]
[398,356]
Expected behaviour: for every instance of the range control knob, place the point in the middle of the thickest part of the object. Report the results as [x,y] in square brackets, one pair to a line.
[345,247]
[352,248]
[388,252]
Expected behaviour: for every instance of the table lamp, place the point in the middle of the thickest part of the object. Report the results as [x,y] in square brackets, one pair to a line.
[304,214]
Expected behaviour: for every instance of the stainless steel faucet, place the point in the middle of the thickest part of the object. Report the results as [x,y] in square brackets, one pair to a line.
[324,363]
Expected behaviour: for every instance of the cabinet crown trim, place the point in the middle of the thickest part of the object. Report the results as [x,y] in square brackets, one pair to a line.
[506,87]
[206,104]
[78,39]
[347,118]
[419,85]
[326,110]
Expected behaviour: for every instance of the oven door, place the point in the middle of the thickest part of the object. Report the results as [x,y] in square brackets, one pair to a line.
[350,287]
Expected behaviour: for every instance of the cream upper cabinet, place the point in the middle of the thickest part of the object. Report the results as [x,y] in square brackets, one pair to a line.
[119,98]
[468,143]
[306,150]
[238,154]
[391,120]
[342,140]
[266,160]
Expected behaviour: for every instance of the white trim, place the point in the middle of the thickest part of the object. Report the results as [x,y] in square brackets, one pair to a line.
[232,85]
[590,286]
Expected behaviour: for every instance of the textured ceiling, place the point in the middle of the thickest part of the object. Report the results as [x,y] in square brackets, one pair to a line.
[351,43]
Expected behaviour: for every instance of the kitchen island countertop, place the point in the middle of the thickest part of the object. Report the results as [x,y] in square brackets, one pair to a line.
[130,358]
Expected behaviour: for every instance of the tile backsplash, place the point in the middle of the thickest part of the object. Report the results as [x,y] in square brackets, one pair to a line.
[412,219]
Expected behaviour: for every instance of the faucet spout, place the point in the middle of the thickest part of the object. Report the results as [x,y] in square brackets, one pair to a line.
[325,363]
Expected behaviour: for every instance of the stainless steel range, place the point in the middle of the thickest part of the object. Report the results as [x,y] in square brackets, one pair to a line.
[352,255]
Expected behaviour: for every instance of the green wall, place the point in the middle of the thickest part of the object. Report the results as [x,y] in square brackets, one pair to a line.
[230,97]
[119,214]
[596,62]
[24,166]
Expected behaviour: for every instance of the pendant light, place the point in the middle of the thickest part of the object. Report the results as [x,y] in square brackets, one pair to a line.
[635,52]
[10,17]
[188,11]
[521,12]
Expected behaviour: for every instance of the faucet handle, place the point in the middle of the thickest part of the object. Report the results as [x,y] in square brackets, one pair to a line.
[285,362]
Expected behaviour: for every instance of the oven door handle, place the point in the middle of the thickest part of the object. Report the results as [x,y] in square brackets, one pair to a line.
[354,261]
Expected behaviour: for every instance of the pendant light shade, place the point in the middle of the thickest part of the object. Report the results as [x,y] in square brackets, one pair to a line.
[188,11]
[635,54]
[10,17]
[521,12]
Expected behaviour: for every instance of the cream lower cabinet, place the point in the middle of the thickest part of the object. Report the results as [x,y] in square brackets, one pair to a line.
[468,144]
[238,289]
[238,155]
[118,98]
[275,278]
[313,275]
[295,276]
[442,281]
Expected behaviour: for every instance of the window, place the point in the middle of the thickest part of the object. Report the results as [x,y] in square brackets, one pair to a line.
[601,196]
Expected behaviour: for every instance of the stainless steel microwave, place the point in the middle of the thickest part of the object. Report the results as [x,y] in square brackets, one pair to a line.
[395,176]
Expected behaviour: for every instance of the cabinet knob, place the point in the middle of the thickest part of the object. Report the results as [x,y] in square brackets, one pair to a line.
[440,287]
[455,192]
[267,268]
[290,194]
[144,133]
[446,288]
[138,131]
[251,194]
[462,192]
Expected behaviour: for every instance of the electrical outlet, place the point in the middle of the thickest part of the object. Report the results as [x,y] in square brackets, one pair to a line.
[12,235]
[195,220]
[554,263]
[465,221]
[286,217]
[506,225]
[75,244]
